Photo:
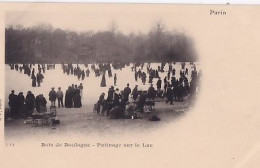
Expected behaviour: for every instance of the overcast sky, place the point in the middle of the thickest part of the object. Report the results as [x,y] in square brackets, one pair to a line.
[127,18]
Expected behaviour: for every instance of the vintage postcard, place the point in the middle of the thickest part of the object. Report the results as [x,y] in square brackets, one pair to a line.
[129,85]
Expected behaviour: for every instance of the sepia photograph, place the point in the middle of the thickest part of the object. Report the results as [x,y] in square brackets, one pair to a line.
[96,73]
[129,85]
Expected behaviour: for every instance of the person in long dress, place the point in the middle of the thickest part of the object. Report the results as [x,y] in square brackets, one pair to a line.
[103,81]
[30,101]
[68,98]
[77,99]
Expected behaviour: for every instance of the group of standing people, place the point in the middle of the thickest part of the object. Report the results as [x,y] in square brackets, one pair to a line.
[73,96]
[37,78]
[23,106]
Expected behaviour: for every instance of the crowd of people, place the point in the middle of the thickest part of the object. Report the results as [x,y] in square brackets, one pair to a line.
[167,86]
[80,73]
[27,69]
[23,106]
[175,89]
[73,96]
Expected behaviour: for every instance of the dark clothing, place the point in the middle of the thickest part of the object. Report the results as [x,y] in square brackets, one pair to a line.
[151,93]
[40,102]
[103,81]
[169,95]
[52,95]
[135,93]
[110,95]
[68,99]
[30,101]
[39,78]
[116,99]
[141,102]
[77,100]
[20,104]
[12,100]
[13,105]
[127,91]
[115,79]
[159,84]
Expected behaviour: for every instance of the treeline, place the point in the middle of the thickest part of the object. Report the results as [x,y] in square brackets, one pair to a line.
[44,44]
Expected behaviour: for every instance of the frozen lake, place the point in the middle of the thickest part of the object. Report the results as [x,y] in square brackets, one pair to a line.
[20,82]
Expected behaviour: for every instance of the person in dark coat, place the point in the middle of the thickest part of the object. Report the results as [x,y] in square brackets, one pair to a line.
[116,99]
[115,79]
[82,74]
[13,104]
[109,73]
[68,98]
[52,96]
[143,78]
[110,94]
[30,102]
[87,72]
[20,104]
[77,99]
[33,80]
[41,102]
[180,92]
[33,74]
[159,84]
[136,76]
[135,92]
[141,102]
[169,94]
[151,92]
[103,81]
[186,71]
[127,92]
[39,78]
